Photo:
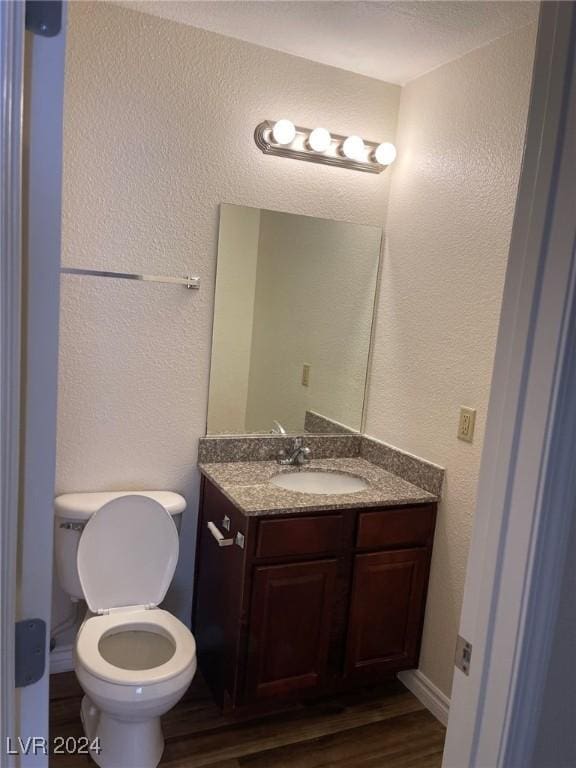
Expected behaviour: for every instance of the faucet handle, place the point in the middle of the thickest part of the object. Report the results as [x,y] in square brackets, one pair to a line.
[302,455]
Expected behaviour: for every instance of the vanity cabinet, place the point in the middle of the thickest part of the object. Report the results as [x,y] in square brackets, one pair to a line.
[304,604]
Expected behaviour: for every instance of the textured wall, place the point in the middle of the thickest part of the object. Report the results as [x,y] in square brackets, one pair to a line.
[159,120]
[315,287]
[238,237]
[460,138]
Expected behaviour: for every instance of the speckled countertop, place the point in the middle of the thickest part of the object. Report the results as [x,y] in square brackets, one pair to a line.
[246,484]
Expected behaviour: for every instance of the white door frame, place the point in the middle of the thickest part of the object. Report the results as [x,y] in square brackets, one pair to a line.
[527,482]
[11,77]
[31,155]
[43,146]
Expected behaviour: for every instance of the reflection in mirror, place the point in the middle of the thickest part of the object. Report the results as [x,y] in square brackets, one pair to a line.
[292,322]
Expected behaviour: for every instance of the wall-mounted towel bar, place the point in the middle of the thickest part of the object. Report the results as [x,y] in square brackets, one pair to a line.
[189,282]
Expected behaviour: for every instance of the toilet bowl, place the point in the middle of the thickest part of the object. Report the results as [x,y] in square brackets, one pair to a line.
[133,667]
[133,660]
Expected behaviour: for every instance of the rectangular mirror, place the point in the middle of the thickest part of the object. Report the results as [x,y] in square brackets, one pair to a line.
[292,323]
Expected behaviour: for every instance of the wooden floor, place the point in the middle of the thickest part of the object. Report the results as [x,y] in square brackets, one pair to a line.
[384,728]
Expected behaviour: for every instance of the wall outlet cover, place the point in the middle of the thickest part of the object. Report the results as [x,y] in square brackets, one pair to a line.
[466,424]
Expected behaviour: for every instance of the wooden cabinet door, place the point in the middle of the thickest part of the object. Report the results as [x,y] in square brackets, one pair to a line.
[386,612]
[290,623]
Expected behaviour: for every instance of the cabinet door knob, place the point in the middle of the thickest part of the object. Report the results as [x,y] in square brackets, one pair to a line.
[221,541]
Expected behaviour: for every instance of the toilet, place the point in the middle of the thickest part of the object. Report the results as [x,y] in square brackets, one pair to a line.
[133,660]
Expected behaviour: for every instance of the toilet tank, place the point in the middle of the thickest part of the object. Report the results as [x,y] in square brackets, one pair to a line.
[73,510]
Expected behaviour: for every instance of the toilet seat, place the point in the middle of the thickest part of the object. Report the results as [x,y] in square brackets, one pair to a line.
[157,621]
[127,555]
[126,559]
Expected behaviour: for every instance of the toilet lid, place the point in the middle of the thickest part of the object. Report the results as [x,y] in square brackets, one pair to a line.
[127,554]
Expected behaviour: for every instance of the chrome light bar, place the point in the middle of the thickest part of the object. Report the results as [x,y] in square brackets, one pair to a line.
[296,143]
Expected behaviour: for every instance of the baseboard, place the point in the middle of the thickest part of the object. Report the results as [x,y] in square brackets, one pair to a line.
[426,692]
[62,659]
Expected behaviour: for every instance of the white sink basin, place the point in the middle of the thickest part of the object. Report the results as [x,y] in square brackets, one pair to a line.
[319,482]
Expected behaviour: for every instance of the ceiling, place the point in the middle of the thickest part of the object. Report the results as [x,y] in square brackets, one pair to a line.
[391,41]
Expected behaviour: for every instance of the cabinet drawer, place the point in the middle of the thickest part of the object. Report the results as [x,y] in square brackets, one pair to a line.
[399,527]
[299,536]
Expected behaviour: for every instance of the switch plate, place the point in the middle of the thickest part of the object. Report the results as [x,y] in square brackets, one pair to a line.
[466,424]
[306,375]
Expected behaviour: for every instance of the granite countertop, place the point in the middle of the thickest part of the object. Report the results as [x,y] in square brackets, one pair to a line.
[245,484]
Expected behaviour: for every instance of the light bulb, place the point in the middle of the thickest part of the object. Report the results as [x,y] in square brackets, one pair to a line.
[353,148]
[283,132]
[385,154]
[319,140]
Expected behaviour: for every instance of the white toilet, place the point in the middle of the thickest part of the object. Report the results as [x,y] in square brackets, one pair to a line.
[133,660]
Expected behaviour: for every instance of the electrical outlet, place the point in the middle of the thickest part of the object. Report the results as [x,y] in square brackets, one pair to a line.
[306,375]
[466,424]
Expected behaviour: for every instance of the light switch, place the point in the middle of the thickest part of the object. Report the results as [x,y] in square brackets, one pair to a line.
[466,424]
[306,375]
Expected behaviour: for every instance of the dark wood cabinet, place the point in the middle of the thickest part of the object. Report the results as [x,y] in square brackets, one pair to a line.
[386,610]
[304,604]
[290,622]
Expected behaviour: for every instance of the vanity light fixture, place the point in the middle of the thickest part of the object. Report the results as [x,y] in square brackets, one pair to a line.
[318,145]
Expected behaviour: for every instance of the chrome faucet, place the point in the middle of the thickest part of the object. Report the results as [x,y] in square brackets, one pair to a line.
[300,454]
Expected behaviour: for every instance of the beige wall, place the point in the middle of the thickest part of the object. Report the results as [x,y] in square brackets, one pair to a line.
[238,237]
[315,287]
[460,138]
[159,122]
